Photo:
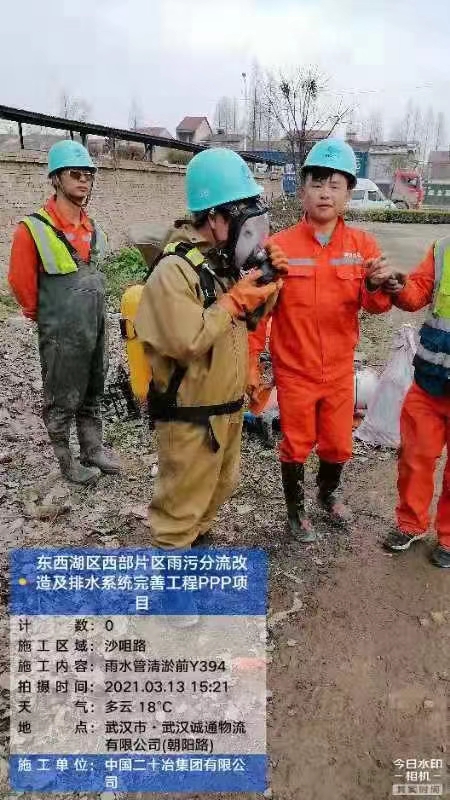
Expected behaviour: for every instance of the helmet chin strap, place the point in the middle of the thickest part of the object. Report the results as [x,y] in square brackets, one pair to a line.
[74,200]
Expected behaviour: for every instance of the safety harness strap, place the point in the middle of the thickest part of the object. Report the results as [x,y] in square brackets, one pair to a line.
[160,411]
[198,262]
[73,252]
[162,406]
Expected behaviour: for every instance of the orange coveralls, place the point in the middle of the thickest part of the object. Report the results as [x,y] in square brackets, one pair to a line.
[314,333]
[424,431]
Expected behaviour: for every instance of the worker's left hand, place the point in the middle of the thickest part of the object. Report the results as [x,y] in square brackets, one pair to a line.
[395,283]
[377,272]
[278,259]
[272,301]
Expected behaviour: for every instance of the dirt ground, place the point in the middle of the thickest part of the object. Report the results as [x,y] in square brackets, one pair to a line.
[359,675]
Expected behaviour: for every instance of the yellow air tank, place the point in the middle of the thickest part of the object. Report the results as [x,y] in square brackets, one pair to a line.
[148,239]
[138,361]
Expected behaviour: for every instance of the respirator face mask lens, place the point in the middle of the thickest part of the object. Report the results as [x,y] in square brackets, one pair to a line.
[253,232]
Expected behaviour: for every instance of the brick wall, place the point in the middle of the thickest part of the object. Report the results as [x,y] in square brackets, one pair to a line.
[125,194]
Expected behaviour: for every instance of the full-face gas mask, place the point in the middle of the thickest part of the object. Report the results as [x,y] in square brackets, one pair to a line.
[249,228]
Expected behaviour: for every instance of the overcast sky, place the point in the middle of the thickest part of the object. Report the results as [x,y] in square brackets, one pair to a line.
[177,57]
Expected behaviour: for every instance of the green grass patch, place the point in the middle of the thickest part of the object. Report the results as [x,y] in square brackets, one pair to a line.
[8,304]
[422,217]
[121,269]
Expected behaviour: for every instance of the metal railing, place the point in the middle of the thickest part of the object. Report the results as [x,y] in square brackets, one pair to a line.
[84,129]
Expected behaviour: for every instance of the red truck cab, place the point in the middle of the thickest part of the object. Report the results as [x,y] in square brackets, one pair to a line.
[407,189]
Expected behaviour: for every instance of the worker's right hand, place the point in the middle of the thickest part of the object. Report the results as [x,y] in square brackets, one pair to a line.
[245,296]
[377,272]
[254,379]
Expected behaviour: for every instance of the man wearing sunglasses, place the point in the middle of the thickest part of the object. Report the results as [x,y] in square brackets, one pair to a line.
[54,275]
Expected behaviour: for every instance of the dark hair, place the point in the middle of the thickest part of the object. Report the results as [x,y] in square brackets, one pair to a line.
[322,173]
[200,217]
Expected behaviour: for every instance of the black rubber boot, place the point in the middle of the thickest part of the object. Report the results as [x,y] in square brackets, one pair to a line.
[203,540]
[398,541]
[329,498]
[58,422]
[293,478]
[92,452]
[72,469]
[440,557]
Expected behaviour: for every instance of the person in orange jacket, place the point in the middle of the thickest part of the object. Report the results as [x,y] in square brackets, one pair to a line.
[315,332]
[425,416]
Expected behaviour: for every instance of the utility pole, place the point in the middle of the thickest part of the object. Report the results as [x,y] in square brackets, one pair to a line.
[254,118]
[244,78]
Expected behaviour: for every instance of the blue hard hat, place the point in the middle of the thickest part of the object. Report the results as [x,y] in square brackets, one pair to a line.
[218,176]
[332,154]
[66,154]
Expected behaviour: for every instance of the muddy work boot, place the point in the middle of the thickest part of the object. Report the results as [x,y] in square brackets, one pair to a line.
[72,470]
[203,540]
[329,497]
[106,462]
[440,557]
[398,541]
[92,452]
[293,478]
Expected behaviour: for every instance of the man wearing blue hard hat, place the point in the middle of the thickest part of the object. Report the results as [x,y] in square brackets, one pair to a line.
[333,271]
[192,319]
[54,275]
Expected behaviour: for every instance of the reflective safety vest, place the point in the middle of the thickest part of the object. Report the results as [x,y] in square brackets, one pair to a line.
[57,254]
[432,359]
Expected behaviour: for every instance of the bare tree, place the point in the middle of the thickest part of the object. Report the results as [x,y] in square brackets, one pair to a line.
[296,103]
[427,133]
[225,115]
[135,117]
[228,115]
[263,126]
[407,122]
[416,124]
[375,127]
[73,107]
[441,130]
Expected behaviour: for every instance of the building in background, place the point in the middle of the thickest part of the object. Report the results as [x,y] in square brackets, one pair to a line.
[437,183]
[195,130]
[159,154]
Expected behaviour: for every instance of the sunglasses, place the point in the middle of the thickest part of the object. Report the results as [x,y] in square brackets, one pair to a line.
[78,174]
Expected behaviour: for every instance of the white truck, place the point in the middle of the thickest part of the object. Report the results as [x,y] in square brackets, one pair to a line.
[367,196]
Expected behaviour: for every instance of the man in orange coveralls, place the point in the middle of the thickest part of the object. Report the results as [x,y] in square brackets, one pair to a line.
[315,331]
[425,417]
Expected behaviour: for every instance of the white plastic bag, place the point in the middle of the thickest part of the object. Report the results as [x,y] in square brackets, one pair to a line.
[381,425]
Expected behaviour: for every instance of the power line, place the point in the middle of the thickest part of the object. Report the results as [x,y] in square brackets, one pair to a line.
[387,89]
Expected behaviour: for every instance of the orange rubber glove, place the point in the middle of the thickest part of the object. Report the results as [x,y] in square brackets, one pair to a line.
[254,379]
[245,296]
[278,259]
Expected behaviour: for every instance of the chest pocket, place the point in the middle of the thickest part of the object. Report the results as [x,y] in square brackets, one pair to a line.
[300,282]
[348,283]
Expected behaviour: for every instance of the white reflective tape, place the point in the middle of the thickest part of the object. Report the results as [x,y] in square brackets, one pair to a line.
[347,261]
[438,359]
[301,262]
[438,323]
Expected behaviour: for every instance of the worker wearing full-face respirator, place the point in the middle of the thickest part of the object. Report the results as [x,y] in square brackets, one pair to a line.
[192,320]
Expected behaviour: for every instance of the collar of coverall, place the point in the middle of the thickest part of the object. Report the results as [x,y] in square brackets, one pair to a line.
[63,223]
[308,228]
[184,231]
